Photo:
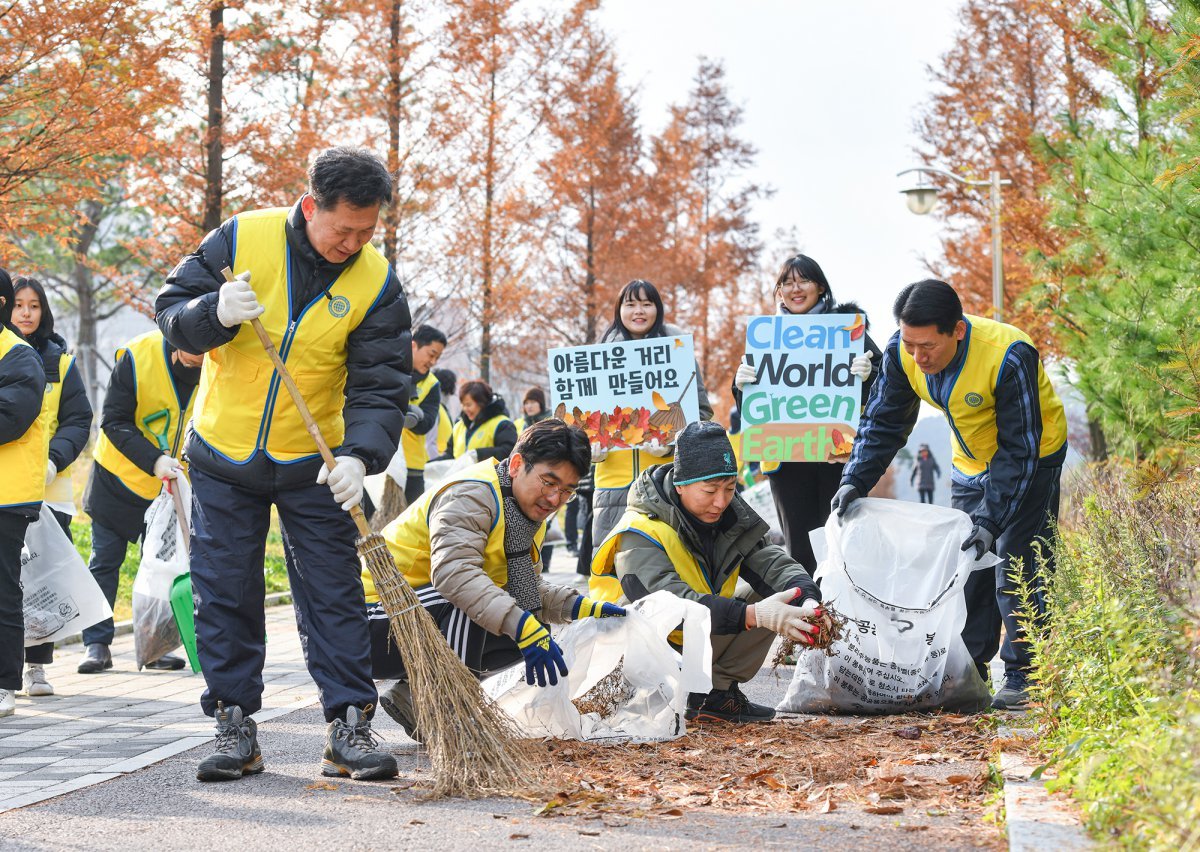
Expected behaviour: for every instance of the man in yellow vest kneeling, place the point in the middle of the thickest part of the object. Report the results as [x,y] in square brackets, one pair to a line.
[472,552]
[687,531]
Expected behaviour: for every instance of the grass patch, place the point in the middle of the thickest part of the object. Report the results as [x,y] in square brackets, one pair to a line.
[1117,675]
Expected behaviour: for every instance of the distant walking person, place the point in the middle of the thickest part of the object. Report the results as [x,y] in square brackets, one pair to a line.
[925,467]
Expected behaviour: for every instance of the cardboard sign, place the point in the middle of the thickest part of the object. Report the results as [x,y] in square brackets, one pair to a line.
[805,405]
[628,394]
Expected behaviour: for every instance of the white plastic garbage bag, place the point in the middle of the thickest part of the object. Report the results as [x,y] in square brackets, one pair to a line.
[164,557]
[759,498]
[59,595]
[896,570]
[437,472]
[657,679]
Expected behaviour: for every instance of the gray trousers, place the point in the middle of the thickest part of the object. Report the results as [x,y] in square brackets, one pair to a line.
[737,657]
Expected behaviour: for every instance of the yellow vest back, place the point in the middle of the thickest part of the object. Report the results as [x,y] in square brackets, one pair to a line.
[60,490]
[621,468]
[445,430]
[23,461]
[159,413]
[972,406]
[238,406]
[416,455]
[482,438]
[407,536]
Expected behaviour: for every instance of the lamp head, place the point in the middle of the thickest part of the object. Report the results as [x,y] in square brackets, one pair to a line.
[921,198]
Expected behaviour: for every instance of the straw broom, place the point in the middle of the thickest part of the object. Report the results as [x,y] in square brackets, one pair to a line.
[470,740]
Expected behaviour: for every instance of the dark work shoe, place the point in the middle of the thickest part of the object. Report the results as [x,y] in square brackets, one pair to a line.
[95,659]
[1014,695]
[236,752]
[352,748]
[730,705]
[165,663]
[397,702]
[695,702]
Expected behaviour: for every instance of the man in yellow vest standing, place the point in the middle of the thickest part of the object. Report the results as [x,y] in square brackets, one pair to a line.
[338,315]
[146,407]
[472,552]
[22,484]
[1009,440]
[427,346]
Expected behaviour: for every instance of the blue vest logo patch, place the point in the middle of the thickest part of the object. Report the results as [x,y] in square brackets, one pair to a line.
[339,306]
[973,399]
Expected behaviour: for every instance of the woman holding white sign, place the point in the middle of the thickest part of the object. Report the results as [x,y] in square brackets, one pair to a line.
[638,315]
[802,490]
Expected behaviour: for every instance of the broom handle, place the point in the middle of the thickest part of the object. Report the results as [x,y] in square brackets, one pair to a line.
[356,512]
[181,516]
[691,379]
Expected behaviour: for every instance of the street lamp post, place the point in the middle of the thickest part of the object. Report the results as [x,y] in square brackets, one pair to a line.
[922,198]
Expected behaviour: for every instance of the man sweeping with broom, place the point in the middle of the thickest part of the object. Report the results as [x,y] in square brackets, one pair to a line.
[337,314]
[471,550]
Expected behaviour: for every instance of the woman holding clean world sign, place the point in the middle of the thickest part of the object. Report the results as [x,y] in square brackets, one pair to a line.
[638,315]
[802,490]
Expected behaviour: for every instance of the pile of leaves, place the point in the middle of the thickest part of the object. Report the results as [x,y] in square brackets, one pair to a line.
[878,766]
[610,693]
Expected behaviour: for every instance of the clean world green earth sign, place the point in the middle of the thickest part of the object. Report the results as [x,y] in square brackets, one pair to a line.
[805,404]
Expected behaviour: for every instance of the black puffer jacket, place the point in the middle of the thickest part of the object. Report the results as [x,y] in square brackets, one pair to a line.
[74,410]
[378,352]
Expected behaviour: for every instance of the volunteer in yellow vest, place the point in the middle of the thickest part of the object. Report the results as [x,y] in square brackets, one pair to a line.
[339,318]
[638,315]
[440,443]
[66,423]
[471,552]
[687,531]
[146,407]
[1009,436]
[484,426]
[22,484]
[427,346]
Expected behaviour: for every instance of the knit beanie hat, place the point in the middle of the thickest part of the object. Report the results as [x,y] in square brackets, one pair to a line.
[537,395]
[703,451]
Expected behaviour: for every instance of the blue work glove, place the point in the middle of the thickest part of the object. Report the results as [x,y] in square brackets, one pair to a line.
[542,654]
[845,495]
[588,608]
[981,539]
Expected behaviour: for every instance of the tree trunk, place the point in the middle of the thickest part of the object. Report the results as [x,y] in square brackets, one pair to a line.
[392,215]
[489,189]
[214,137]
[1099,449]
[82,282]
[589,280]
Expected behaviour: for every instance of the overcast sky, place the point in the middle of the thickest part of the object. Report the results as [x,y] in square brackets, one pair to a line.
[830,93]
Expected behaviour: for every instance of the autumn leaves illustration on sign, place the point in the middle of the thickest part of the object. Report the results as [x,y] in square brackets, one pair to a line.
[628,428]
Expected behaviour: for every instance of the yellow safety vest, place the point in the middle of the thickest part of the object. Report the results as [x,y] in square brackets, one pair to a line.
[159,412]
[415,454]
[23,461]
[621,468]
[445,430]
[238,406]
[481,439]
[972,410]
[61,489]
[407,536]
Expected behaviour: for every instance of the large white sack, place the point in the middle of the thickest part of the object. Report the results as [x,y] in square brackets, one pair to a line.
[60,597]
[164,557]
[896,569]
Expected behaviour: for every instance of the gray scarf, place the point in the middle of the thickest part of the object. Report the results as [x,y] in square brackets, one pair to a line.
[518,546]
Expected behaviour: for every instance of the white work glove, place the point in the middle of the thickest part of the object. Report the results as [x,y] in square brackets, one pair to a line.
[659,451]
[166,467]
[345,480]
[745,375]
[861,365]
[599,454]
[51,471]
[778,614]
[236,302]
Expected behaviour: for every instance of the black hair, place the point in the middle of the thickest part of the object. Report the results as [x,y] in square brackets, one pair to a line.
[552,440]
[426,334]
[354,175]
[478,390]
[804,267]
[46,326]
[446,381]
[929,302]
[6,293]
[638,289]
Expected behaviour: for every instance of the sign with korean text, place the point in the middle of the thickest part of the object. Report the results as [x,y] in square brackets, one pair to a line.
[805,404]
[628,394]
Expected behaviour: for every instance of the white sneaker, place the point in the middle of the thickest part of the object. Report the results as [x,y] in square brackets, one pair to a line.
[8,702]
[35,681]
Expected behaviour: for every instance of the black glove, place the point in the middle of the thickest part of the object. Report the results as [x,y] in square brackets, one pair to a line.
[413,416]
[846,495]
[981,539]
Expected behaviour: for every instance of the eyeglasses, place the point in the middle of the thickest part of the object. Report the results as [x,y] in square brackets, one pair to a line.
[796,284]
[552,489]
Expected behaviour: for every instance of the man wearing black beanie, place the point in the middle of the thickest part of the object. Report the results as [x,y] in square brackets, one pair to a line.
[687,531]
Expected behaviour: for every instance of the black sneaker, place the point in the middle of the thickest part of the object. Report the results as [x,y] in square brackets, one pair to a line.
[728,705]
[1014,695]
[96,658]
[397,702]
[352,749]
[237,751]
